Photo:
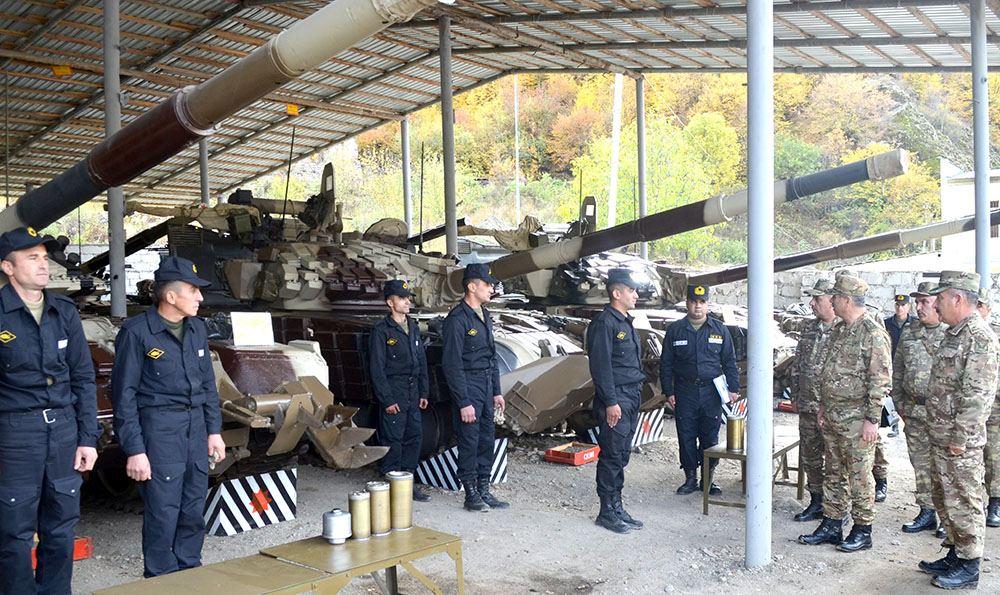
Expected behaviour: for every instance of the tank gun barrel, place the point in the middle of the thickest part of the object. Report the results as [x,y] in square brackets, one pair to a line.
[850,249]
[196,111]
[691,216]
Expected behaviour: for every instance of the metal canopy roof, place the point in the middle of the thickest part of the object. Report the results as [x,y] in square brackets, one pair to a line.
[52,121]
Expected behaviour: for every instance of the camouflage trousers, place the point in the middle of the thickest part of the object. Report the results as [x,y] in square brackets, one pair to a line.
[991,454]
[811,451]
[957,488]
[848,485]
[880,468]
[919,446]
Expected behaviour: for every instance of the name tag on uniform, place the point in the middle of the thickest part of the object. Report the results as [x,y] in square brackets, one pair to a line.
[201,353]
[715,339]
[62,343]
[416,342]
[680,343]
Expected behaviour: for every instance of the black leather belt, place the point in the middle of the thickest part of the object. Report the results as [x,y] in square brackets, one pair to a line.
[49,415]
[696,382]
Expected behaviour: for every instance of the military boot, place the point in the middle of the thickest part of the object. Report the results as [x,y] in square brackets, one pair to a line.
[690,484]
[419,495]
[814,511]
[859,539]
[713,489]
[881,489]
[608,518]
[624,515]
[473,500]
[829,531]
[488,498]
[993,513]
[926,520]
[941,565]
[940,533]
[964,574]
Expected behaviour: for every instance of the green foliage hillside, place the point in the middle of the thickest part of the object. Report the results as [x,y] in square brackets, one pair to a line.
[696,147]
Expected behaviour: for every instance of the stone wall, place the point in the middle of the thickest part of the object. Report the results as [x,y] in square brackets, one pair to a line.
[138,266]
[789,286]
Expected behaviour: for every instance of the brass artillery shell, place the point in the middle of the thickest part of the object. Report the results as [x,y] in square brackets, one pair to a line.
[360,506]
[381,523]
[401,493]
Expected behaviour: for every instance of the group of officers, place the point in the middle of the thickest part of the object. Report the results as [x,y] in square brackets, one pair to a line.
[940,369]
[941,373]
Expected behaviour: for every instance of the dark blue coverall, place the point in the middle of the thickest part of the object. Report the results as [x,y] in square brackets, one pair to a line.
[470,367]
[166,405]
[689,362]
[895,328]
[398,363]
[614,353]
[48,408]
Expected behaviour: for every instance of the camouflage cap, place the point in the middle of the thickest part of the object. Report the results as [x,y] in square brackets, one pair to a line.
[957,280]
[849,285]
[819,288]
[923,289]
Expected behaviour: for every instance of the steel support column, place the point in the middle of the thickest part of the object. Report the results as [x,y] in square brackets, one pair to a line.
[448,136]
[981,139]
[640,131]
[404,141]
[203,169]
[760,242]
[112,123]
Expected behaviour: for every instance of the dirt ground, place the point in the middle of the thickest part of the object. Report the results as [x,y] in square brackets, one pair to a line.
[548,543]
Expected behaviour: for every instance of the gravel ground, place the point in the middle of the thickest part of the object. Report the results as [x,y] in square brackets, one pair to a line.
[548,543]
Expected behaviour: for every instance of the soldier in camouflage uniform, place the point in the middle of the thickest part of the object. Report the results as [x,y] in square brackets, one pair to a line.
[991,453]
[960,394]
[808,360]
[855,377]
[911,372]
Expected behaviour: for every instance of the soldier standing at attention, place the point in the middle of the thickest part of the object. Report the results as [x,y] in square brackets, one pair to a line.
[469,362]
[809,356]
[398,364]
[911,373]
[962,388]
[696,350]
[991,452]
[48,419]
[615,357]
[898,321]
[167,418]
[855,377]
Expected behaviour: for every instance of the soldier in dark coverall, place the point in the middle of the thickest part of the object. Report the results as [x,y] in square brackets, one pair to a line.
[48,419]
[167,417]
[614,354]
[469,362]
[696,350]
[398,364]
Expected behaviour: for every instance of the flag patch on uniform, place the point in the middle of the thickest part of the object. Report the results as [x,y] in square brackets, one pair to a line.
[621,335]
[7,337]
[155,353]
[473,332]
[390,341]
